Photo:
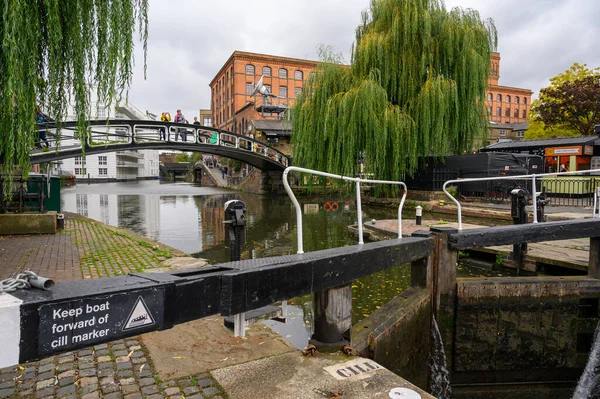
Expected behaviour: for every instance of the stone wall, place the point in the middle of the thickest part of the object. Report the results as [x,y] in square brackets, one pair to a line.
[397,336]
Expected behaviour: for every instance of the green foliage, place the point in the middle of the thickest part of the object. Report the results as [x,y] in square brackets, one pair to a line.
[569,106]
[231,163]
[51,51]
[453,190]
[183,157]
[464,254]
[415,87]
[499,259]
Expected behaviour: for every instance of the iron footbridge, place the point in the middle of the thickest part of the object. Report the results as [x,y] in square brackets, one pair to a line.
[124,135]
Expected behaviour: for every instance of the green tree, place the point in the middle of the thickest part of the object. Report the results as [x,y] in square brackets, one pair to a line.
[415,86]
[569,106]
[51,51]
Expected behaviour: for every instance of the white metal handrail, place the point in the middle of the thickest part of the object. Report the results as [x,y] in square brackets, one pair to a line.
[533,178]
[358,181]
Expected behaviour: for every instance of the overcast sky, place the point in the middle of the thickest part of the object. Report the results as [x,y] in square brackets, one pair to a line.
[190,40]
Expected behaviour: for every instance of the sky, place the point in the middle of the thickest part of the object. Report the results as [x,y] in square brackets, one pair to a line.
[190,40]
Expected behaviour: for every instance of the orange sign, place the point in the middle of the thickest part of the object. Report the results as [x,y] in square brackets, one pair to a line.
[552,151]
[588,150]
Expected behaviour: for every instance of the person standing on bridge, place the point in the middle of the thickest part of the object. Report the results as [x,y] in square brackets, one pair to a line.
[165,117]
[179,118]
[196,121]
[42,120]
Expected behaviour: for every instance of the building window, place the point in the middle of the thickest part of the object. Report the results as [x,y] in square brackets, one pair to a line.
[490,96]
[499,97]
[266,71]
[101,111]
[524,114]
[520,134]
[516,113]
[249,69]
[102,160]
[525,100]
[103,171]
[297,91]
[268,87]
[502,132]
[80,171]
[507,99]
[498,111]
[517,100]
[249,88]
[79,160]
[507,112]
[298,75]
[283,91]
[207,121]
[489,110]
[283,73]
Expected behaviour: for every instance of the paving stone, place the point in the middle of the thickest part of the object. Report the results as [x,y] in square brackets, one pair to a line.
[174,397]
[65,390]
[122,359]
[107,381]
[195,397]
[46,375]
[7,384]
[172,391]
[88,381]
[27,393]
[27,384]
[191,390]
[146,372]
[123,366]
[85,352]
[210,391]
[65,359]
[125,373]
[115,395]
[105,365]
[130,388]
[150,389]
[44,392]
[91,395]
[202,376]
[184,383]
[66,381]
[47,360]
[106,373]
[118,353]
[130,342]
[87,372]
[138,360]
[101,346]
[137,353]
[44,383]
[86,365]
[102,352]
[146,381]
[46,367]
[205,383]
[110,388]
[29,369]
[127,381]
[134,396]
[68,373]
[155,396]
[4,393]
[83,359]
[104,359]
[134,347]
[27,376]
[169,383]
[117,347]
[65,367]
[89,389]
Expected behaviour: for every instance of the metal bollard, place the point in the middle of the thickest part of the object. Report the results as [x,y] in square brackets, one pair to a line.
[235,219]
[419,214]
[60,221]
[519,216]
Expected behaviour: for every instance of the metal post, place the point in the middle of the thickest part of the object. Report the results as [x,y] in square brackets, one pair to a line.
[519,216]
[359,214]
[235,218]
[534,199]
[419,215]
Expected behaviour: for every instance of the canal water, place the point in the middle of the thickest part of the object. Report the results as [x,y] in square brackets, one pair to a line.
[190,218]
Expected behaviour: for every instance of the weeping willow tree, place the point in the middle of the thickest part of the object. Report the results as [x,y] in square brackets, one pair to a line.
[415,86]
[52,50]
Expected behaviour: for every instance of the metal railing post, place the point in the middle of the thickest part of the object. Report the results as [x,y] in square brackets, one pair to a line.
[290,193]
[534,198]
[359,214]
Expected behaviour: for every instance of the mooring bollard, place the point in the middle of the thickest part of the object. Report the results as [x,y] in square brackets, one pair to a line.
[519,216]
[235,219]
[60,221]
[419,214]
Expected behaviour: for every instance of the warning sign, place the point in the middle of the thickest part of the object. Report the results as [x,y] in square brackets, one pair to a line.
[84,322]
[140,316]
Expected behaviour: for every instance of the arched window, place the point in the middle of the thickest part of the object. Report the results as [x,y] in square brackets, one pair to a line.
[283,73]
[517,100]
[266,71]
[525,100]
[498,97]
[507,99]
[490,96]
[298,75]
[249,69]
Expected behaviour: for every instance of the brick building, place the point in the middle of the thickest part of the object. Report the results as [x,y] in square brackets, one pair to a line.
[234,108]
[505,104]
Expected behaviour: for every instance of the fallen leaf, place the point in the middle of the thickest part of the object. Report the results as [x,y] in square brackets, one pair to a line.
[177,357]
[21,368]
[129,354]
[225,359]
[142,367]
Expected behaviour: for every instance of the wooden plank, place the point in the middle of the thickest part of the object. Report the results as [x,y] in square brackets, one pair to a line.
[501,235]
[253,287]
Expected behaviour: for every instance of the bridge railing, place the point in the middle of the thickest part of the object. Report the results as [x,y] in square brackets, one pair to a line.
[534,194]
[122,132]
[356,180]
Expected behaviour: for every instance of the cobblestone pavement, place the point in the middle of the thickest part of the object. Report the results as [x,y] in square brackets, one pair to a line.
[118,370]
[85,249]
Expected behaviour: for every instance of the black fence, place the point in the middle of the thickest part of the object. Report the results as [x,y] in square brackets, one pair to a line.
[24,195]
[431,180]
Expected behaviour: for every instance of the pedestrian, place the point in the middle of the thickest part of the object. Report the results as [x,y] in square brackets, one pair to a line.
[42,120]
[563,168]
[179,118]
[165,117]
[196,121]
[223,173]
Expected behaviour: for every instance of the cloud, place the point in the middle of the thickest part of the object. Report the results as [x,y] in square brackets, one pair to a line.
[189,40]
